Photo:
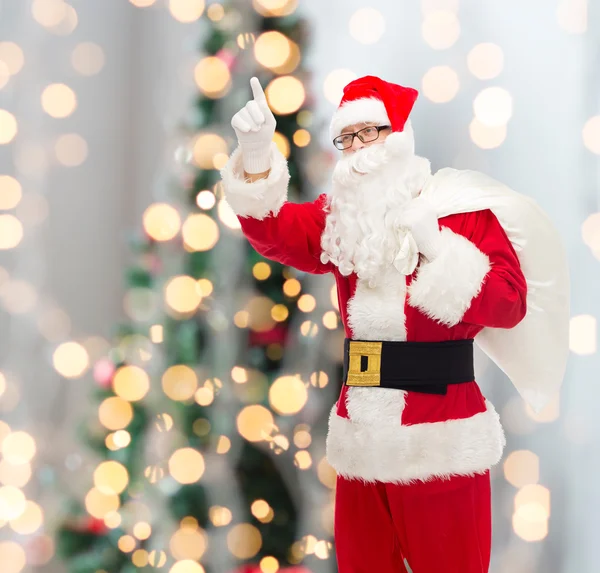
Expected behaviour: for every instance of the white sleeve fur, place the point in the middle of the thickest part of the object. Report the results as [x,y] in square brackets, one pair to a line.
[260,198]
[444,287]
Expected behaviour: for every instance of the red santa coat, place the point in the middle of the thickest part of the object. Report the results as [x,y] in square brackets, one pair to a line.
[388,435]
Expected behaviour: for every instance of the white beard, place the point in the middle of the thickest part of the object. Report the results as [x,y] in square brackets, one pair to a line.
[370,189]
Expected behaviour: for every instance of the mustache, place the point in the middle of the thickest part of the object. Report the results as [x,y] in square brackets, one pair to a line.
[350,169]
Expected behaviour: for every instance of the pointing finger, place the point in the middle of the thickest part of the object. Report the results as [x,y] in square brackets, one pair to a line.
[257,91]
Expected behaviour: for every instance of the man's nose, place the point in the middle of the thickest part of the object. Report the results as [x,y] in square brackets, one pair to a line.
[357,144]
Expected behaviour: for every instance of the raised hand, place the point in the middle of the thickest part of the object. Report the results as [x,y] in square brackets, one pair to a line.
[254,126]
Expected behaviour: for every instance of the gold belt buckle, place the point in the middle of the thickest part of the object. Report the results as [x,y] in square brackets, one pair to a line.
[372,375]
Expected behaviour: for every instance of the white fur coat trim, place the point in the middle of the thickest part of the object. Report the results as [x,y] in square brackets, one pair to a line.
[358,111]
[444,287]
[388,452]
[260,198]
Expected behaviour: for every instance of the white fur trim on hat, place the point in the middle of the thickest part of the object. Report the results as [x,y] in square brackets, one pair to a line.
[358,111]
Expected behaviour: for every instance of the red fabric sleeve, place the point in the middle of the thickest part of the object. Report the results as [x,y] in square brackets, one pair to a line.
[292,237]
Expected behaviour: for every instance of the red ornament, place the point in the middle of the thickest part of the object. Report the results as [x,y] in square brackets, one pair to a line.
[96,526]
[277,334]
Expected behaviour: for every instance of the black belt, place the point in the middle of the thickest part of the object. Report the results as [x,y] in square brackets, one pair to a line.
[417,366]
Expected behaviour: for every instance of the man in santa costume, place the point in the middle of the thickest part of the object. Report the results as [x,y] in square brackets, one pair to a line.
[425,266]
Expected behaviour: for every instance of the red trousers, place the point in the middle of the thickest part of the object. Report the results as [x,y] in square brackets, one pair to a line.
[436,526]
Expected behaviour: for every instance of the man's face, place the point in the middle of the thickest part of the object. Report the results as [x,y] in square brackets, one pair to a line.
[369,131]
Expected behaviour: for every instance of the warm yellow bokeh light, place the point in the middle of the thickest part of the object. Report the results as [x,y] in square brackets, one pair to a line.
[182,294]
[157,558]
[206,200]
[269,565]
[591,134]
[206,287]
[309,329]
[186,10]
[59,100]
[131,383]
[326,474]
[187,566]
[30,520]
[113,520]
[280,312]
[100,504]
[485,136]
[8,127]
[259,317]
[244,541]
[126,543]
[260,508]
[283,144]
[440,84]
[292,287]
[241,318]
[12,557]
[142,530]
[12,56]
[71,359]
[140,558]
[186,465]
[200,232]
[255,423]
[87,58]
[288,395]
[303,460]
[272,49]
[301,137]
[111,477]
[493,106]
[71,149]
[285,94]
[18,448]
[11,192]
[161,221]
[440,29]
[275,8]
[115,413]
[212,77]
[206,147]
[17,475]
[367,25]
[530,523]
[223,445]
[179,382]
[330,320]
[239,375]
[227,215]
[11,231]
[486,61]
[582,334]
[188,542]
[12,503]
[335,83]
[204,396]
[215,12]
[307,303]
[49,13]
[219,516]
[533,494]
[302,439]
[522,468]
[261,271]
[142,3]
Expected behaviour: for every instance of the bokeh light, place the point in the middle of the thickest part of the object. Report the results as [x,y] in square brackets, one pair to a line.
[288,395]
[186,10]
[131,383]
[212,77]
[285,94]
[71,149]
[572,16]
[187,566]
[275,8]
[440,29]
[18,448]
[30,520]
[591,134]
[142,3]
[100,504]
[12,557]
[11,231]
[485,136]
[186,465]
[12,56]
[440,84]
[111,477]
[206,200]
[227,215]
[179,382]
[335,82]
[486,61]
[367,25]
[59,100]
[255,423]
[87,58]
[71,360]
[188,543]
[582,334]
[206,148]
[115,413]
[493,106]
[272,49]
[244,541]
[182,294]
[8,127]
[522,468]
[282,143]
[161,221]
[200,232]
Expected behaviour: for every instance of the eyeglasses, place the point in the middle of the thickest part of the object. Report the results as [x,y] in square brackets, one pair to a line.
[366,135]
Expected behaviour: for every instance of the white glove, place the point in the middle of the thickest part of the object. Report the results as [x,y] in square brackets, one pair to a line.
[254,126]
[420,218]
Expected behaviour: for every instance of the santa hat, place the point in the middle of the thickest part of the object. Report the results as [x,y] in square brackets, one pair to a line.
[371,99]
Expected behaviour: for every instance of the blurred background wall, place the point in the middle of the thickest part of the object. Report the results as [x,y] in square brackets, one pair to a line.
[509,88]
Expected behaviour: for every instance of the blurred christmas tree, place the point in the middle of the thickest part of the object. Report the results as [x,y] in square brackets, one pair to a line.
[205,397]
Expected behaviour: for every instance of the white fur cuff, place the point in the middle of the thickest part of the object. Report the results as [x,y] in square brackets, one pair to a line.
[260,198]
[444,287]
[392,453]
